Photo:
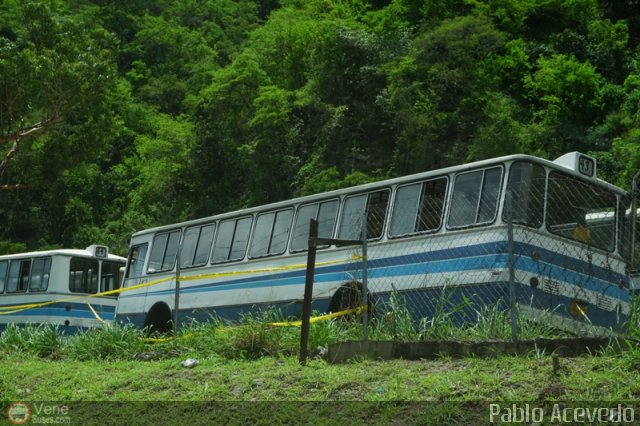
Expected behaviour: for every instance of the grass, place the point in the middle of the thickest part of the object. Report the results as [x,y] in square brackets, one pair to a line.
[249,373]
[364,389]
[268,379]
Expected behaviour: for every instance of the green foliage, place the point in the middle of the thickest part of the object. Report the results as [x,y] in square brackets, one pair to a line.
[8,247]
[143,113]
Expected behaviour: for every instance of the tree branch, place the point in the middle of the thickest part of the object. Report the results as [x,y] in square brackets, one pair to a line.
[32,131]
[25,133]
[13,187]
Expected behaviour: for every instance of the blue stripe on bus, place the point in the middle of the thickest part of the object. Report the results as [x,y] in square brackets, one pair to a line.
[448,260]
[61,313]
[489,294]
[72,306]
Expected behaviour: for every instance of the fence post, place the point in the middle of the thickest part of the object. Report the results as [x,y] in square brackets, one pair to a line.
[308,290]
[365,291]
[512,278]
[176,301]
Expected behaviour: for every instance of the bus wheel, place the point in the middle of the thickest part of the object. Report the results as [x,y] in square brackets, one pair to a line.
[158,319]
[349,296]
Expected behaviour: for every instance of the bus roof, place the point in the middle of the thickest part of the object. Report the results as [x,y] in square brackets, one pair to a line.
[560,166]
[61,252]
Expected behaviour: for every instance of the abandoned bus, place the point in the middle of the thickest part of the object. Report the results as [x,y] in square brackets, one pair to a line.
[56,287]
[444,231]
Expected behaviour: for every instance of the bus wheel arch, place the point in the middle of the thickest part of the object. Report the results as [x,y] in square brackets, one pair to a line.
[159,319]
[349,296]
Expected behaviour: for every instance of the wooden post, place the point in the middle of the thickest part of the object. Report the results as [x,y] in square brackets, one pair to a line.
[308,290]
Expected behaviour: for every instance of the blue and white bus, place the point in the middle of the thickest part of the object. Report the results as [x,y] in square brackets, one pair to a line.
[58,287]
[429,232]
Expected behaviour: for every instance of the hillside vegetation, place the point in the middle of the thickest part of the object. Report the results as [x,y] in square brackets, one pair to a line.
[115,116]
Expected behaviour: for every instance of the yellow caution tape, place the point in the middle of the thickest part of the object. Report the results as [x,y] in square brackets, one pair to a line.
[8,310]
[95,314]
[357,310]
[312,320]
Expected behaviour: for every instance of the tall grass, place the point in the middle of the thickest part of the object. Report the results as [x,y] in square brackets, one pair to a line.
[106,343]
[254,335]
[42,340]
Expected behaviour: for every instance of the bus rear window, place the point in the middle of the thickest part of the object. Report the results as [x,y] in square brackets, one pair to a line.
[83,275]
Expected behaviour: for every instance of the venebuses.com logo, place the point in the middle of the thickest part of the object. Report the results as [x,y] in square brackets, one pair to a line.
[19,413]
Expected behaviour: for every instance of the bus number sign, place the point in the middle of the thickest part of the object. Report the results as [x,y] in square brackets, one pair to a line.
[586,165]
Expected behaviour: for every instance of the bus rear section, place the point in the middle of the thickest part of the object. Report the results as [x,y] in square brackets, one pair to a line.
[59,287]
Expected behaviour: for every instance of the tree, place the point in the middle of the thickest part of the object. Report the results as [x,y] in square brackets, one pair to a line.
[566,96]
[52,70]
[435,92]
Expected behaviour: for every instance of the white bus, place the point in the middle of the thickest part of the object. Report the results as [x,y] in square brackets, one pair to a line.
[437,230]
[56,287]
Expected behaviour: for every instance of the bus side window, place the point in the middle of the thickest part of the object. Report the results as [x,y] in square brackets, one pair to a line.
[109,276]
[164,251]
[475,197]
[375,206]
[136,260]
[3,275]
[271,233]
[196,245]
[231,240]
[418,207]
[18,276]
[325,213]
[40,274]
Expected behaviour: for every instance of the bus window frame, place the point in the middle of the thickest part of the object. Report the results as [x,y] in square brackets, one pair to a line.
[318,204]
[172,266]
[195,251]
[215,237]
[368,193]
[47,271]
[21,275]
[499,197]
[273,225]
[3,277]
[443,214]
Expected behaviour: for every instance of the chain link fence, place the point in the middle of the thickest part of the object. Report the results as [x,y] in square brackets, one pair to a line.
[534,267]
